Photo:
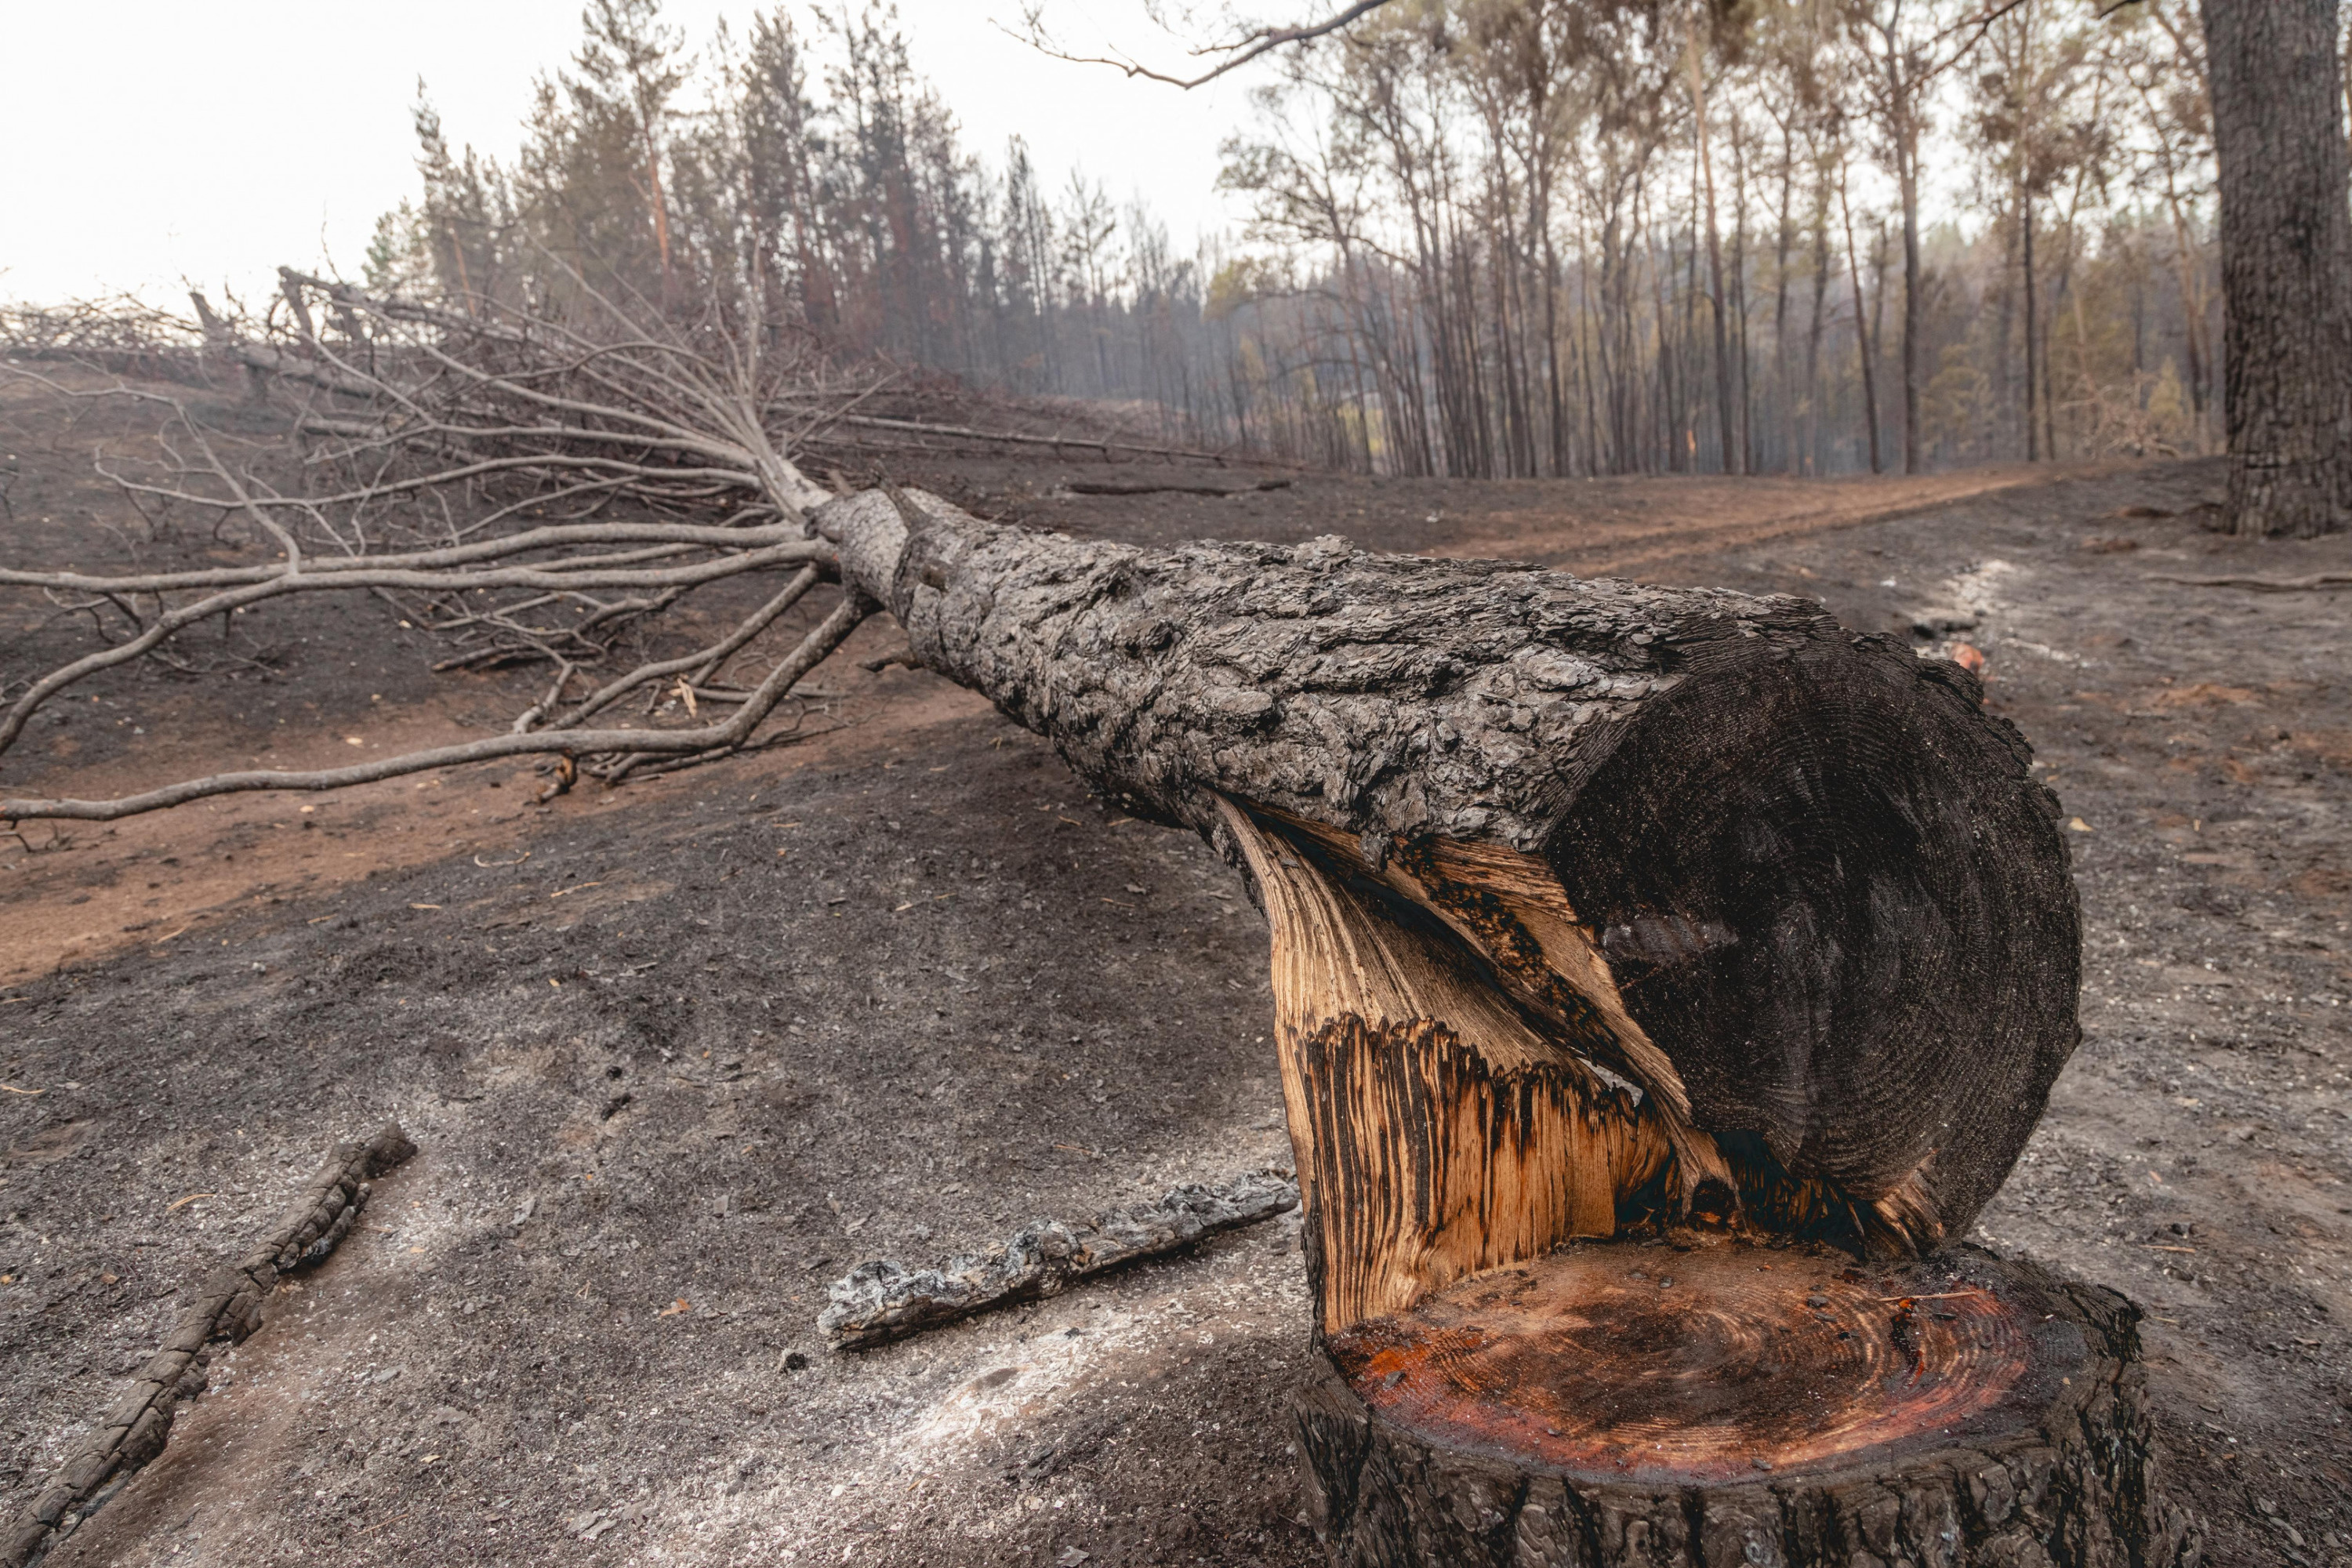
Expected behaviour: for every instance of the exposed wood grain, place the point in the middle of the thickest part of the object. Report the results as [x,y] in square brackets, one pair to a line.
[1438,1131]
[1619,1405]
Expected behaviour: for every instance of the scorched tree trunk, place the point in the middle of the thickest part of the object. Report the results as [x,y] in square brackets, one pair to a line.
[1663,979]
[2286,243]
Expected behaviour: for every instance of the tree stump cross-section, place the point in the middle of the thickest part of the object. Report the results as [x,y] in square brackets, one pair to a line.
[1731,1404]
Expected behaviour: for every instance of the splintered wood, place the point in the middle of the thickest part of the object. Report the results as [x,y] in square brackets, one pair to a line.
[1437,1132]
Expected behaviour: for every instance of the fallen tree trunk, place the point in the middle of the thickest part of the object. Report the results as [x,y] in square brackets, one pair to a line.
[1775,903]
[1599,912]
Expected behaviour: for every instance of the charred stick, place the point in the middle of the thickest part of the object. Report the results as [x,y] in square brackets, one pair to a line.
[227,1308]
[886,1300]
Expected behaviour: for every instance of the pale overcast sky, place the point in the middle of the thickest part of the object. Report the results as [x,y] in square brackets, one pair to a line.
[142,143]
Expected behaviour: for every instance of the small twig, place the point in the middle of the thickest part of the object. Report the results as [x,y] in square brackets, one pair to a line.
[901,654]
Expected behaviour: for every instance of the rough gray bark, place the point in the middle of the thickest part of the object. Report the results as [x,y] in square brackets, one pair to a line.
[2074,1479]
[886,1300]
[2287,246]
[1821,878]
[228,1306]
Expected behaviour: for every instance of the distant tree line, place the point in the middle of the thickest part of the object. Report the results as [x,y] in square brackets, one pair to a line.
[1487,238]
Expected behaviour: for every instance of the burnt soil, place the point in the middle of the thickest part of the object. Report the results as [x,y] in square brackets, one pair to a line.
[677,1055]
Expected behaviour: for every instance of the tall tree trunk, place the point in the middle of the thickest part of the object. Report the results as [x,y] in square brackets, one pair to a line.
[1903,126]
[1781,309]
[2032,342]
[2286,244]
[1914,309]
[1814,422]
[1861,331]
[1727,430]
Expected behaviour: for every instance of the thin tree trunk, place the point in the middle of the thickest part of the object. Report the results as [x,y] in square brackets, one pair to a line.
[1813,423]
[1861,328]
[1781,309]
[1726,429]
[2033,338]
[1902,94]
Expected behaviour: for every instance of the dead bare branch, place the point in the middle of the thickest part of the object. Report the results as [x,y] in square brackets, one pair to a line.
[1239,52]
[2268,585]
[712,740]
[526,490]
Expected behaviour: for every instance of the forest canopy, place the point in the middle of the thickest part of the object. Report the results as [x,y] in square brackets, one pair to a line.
[1484,237]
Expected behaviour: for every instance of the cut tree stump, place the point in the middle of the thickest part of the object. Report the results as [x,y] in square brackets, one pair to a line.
[1603,914]
[1619,1403]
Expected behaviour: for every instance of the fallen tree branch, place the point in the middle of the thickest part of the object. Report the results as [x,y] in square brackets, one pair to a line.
[1019,439]
[1152,488]
[885,1300]
[708,739]
[228,1307]
[2267,585]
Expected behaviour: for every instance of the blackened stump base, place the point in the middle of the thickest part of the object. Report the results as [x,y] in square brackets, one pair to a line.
[1620,1404]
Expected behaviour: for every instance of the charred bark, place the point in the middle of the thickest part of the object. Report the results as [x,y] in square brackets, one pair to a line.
[228,1306]
[2287,246]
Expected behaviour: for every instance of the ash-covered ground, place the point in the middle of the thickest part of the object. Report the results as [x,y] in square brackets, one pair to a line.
[677,1055]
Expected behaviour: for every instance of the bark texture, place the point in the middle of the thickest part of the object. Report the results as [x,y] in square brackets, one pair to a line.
[2286,245]
[1791,885]
[228,1306]
[1629,1405]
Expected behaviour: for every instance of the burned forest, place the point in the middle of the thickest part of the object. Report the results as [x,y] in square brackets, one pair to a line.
[1622,838]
